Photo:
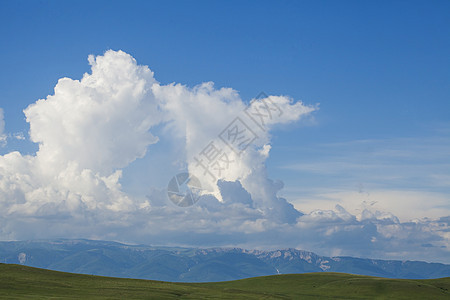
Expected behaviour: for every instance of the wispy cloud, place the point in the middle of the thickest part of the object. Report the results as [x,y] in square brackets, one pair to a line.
[415,163]
[406,176]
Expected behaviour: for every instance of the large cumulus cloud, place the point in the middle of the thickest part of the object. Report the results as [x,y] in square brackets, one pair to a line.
[89,130]
[100,122]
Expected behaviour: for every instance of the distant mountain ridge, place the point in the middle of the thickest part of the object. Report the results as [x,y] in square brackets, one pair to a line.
[198,265]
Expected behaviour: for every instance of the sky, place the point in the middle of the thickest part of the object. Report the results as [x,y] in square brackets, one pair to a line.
[103,102]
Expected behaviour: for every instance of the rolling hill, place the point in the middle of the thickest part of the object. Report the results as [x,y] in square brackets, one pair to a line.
[21,282]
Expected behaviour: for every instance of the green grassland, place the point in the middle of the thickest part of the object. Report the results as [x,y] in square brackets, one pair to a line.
[21,282]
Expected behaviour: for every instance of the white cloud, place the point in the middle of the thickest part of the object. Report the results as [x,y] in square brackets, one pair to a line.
[101,122]
[86,131]
[405,176]
[405,204]
[377,235]
[199,115]
[91,129]
[19,136]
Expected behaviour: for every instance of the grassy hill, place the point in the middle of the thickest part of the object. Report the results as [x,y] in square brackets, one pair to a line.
[20,282]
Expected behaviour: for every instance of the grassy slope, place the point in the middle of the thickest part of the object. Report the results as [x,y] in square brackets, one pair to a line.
[20,282]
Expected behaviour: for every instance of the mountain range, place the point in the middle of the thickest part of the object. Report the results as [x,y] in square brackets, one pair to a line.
[198,265]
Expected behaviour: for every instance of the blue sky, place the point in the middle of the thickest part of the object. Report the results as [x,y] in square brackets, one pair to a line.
[379,71]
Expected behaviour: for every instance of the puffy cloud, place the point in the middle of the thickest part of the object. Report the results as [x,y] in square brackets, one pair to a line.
[374,234]
[85,131]
[100,122]
[89,130]
[226,140]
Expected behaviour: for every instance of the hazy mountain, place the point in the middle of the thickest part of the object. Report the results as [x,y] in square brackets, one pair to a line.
[197,265]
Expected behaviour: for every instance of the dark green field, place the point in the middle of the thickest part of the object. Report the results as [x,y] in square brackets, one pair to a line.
[20,282]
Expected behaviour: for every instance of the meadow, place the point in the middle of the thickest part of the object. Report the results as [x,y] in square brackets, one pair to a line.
[21,282]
